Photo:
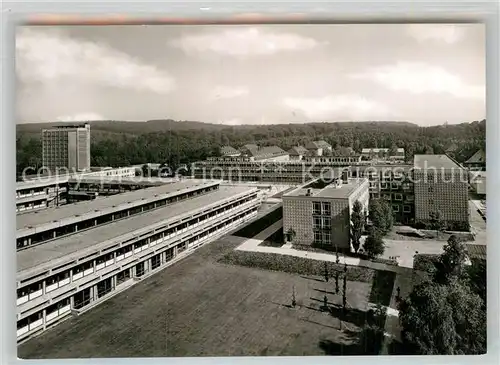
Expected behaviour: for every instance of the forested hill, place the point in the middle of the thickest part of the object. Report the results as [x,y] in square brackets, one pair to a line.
[117,143]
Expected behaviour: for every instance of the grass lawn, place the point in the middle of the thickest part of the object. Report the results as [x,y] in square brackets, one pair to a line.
[200,307]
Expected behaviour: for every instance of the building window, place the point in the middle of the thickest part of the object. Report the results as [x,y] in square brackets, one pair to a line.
[317,208]
[327,223]
[327,238]
[317,223]
[430,189]
[398,196]
[317,237]
[327,208]
[406,209]
[395,208]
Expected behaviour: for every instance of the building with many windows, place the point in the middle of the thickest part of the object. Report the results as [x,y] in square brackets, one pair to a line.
[66,147]
[82,255]
[441,186]
[319,212]
[44,191]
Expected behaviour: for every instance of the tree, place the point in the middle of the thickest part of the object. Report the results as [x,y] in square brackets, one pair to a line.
[357,224]
[375,214]
[388,219]
[443,320]
[437,222]
[452,261]
[374,245]
[290,234]
[476,278]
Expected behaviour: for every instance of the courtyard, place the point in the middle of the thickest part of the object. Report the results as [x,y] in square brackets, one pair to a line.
[199,307]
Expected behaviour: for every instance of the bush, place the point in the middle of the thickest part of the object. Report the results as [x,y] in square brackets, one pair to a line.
[295,265]
[374,245]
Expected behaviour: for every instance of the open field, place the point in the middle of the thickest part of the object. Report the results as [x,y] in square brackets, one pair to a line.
[199,307]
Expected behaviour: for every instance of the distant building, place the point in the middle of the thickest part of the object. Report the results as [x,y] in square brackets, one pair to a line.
[319,212]
[297,153]
[441,185]
[248,149]
[267,153]
[477,162]
[383,153]
[478,181]
[229,151]
[317,148]
[66,147]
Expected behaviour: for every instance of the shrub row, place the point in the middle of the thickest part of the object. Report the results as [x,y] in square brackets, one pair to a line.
[295,265]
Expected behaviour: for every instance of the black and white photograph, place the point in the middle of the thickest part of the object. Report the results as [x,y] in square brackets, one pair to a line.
[220,190]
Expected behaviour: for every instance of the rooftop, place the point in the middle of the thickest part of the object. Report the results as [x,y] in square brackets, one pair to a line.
[50,215]
[377,150]
[478,157]
[476,251]
[129,180]
[331,191]
[297,150]
[42,257]
[435,161]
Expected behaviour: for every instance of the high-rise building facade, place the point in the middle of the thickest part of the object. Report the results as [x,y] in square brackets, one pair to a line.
[66,147]
[441,186]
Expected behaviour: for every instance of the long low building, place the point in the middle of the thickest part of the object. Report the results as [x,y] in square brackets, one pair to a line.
[73,273]
[43,191]
[46,225]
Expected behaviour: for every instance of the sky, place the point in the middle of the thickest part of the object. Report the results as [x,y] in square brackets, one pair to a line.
[426,74]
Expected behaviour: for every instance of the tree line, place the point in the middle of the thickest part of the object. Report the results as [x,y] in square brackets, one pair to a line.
[184,146]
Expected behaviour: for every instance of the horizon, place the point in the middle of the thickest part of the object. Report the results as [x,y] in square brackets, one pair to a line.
[424,74]
[59,122]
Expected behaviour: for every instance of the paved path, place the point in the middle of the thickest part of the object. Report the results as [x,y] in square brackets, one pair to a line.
[392,329]
[252,244]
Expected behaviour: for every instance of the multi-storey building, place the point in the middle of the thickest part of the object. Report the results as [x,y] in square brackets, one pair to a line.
[441,185]
[88,251]
[319,212]
[66,147]
[295,172]
[393,183]
[40,192]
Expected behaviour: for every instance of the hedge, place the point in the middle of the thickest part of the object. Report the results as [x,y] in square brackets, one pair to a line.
[295,265]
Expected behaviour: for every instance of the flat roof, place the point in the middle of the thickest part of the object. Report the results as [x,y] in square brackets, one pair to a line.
[128,180]
[42,256]
[50,215]
[331,191]
[435,161]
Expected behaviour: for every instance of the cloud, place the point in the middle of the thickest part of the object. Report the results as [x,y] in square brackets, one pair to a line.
[242,42]
[227,92]
[447,33]
[48,56]
[338,107]
[83,117]
[420,78]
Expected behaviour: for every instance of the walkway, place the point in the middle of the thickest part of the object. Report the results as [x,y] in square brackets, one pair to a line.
[252,245]
[392,330]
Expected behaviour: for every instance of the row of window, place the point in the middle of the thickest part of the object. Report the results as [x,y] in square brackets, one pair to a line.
[322,208]
[406,209]
[54,282]
[83,298]
[68,229]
